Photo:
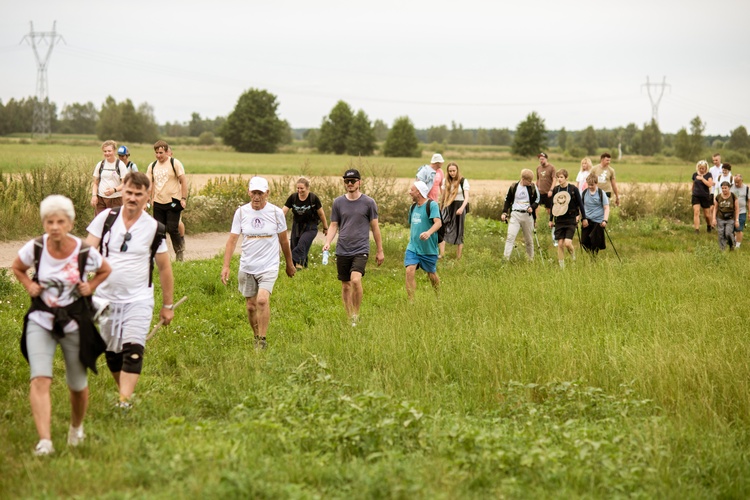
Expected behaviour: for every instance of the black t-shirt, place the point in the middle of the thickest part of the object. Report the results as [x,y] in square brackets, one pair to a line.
[699,189]
[304,211]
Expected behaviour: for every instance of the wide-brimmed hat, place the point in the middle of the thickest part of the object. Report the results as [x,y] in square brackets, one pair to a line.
[560,203]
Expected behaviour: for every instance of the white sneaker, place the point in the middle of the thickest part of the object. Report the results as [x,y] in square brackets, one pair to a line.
[44,447]
[355,320]
[76,436]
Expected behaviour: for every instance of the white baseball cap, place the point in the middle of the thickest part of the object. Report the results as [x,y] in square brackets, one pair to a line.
[258,184]
[437,158]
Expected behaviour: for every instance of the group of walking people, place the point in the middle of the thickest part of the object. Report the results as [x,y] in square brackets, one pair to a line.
[723,199]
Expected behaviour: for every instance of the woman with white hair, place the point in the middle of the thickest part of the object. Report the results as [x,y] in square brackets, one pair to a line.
[702,199]
[60,313]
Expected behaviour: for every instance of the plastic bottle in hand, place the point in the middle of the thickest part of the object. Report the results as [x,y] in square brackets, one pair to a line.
[325,257]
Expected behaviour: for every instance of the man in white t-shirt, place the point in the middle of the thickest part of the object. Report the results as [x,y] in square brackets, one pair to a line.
[128,248]
[107,184]
[263,227]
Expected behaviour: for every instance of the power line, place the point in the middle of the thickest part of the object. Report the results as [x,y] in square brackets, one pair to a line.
[41,125]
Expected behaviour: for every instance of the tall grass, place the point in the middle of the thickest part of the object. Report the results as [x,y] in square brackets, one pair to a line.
[519,379]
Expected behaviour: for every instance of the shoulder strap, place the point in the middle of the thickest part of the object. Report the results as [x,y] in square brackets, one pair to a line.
[411,211]
[171,160]
[83,255]
[101,169]
[38,247]
[601,196]
[152,172]
[461,183]
[108,222]
[161,233]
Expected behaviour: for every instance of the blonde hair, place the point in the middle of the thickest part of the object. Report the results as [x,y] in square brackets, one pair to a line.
[109,143]
[527,174]
[452,185]
[586,161]
[701,163]
[592,179]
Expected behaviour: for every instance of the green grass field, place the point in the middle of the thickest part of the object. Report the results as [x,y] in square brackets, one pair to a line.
[494,163]
[520,380]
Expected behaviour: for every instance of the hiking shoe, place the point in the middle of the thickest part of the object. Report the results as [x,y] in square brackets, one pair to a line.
[354,320]
[44,447]
[180,256]
[76,436]
[260,343]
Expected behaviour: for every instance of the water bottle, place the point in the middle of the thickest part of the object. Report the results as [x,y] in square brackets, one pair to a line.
[325,257]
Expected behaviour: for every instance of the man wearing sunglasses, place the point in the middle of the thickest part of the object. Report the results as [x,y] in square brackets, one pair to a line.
[127,246]
[353,215]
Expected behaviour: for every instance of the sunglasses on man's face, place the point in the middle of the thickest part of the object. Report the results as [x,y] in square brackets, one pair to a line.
[350,181]
[126,238]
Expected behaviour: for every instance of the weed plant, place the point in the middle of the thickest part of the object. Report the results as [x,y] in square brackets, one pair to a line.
[605,379]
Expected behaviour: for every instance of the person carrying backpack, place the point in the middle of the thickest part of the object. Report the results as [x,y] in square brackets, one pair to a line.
[169,192]
[422,250]
[106,188]
[123,153]
[520,208]
[596,205]
[60,313]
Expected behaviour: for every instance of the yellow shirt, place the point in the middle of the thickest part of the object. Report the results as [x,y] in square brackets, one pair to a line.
[166,184]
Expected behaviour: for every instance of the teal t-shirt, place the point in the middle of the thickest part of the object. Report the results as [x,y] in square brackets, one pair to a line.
[419,224]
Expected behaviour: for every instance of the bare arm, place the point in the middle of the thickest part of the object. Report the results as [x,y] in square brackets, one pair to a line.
[436,224]
[184,189]
[228,251]
[94,191]
[322,216]
[167,286]
[615,191]
[287,250]
[332,228]
[375,227]
[463,205]
[19,270]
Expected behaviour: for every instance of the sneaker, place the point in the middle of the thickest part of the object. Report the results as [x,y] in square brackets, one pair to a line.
[554,243]
[261,343]
[354,319]
[44,447]
[76,436]
[124,405]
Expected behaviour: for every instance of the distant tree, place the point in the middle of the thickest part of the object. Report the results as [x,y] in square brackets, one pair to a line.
[437,134]
[627,137]
[311,136]
[690,146]
[148,130]
[500,137]
[531,136]
[562,138]
[334,130]
[739,139]
[648,142]
[380,128]
[361,140]
[588,140]
[206,139]
[196,125]
[18,116]
[483,137]
[402,140]
[78,118]
[458,135]
[253,126]
[287,134]
[110,120]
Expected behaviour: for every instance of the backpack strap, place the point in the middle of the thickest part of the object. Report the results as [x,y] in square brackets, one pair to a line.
[38,247]
[101,169]
[83,256]
[161,233]
[171,160]
[108,222]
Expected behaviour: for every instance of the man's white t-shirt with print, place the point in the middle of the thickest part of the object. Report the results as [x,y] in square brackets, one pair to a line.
[59,279]
[130,268]
[260,231]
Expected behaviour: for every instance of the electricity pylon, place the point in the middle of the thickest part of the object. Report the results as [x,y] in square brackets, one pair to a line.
[655,104]
[41,125]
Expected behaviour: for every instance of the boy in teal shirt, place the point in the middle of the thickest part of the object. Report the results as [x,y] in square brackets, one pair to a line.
[422,251]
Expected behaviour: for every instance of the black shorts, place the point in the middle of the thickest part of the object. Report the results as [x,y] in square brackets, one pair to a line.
[564,232]
[545,201]
[704,202]
[347,264]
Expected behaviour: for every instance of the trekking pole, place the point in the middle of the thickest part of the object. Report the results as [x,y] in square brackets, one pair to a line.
[613,245]
[161,321]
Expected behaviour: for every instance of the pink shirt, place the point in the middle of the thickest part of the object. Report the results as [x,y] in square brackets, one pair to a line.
[434,193]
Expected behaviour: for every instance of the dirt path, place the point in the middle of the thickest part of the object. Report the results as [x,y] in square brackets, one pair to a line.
[207,245]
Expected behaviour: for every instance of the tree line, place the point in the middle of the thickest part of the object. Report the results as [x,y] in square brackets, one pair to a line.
[254,126]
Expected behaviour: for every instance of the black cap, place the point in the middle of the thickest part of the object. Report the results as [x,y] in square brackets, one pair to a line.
[542,154]
[352,174]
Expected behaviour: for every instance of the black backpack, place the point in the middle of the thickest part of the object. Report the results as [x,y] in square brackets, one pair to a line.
[441,231]
[83,255]
[117,168]
[161,233]
[171,160]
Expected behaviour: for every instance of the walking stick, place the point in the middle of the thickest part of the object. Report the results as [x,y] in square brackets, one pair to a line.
[613,245]
[161,321]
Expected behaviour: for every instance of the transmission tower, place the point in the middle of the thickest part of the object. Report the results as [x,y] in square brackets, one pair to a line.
[36,39]
[655,104]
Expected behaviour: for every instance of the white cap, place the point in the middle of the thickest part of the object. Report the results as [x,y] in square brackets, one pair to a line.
[437,158]
[258,184]
[422,188]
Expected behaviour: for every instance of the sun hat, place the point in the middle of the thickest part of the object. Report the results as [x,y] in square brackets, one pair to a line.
[437,158]
[422,188]
[560,203]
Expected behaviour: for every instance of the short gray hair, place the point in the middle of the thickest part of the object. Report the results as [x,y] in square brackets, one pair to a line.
[57,204]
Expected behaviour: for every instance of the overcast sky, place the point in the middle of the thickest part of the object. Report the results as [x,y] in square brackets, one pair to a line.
[480,63]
